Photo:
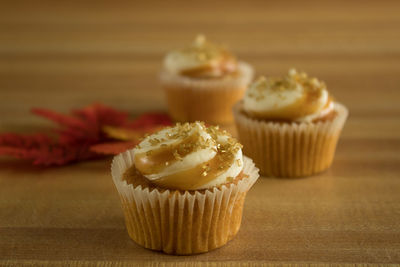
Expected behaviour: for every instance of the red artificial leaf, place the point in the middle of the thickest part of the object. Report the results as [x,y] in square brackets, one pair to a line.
[63,120]
[84,125]
[41,149]
[105,115]
[81,135]
[123,134]
[28,141]
[113,148]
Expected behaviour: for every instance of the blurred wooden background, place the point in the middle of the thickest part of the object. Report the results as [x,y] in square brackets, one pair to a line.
[66,54]
[71,53]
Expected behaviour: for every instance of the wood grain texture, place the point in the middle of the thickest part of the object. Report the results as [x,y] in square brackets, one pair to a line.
[66,54]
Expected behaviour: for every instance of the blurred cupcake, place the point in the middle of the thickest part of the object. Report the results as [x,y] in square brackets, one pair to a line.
[182,189]
[203,81]
[289,126]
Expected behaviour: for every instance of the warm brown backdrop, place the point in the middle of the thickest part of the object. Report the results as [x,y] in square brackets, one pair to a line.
[63,55]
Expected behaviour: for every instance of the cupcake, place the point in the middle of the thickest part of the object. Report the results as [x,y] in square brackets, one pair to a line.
[203,81]
[289,126]
[182,189]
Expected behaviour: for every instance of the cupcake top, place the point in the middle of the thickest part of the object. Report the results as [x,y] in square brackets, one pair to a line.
[189,156]
[295,97]
[201,59]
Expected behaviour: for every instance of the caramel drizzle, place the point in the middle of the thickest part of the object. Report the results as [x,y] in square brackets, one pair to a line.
[226,66]
[155,161]
[304,106]
[206,52]
[134,177]
[199,175]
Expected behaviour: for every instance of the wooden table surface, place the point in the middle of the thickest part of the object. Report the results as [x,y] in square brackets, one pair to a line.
[64,55]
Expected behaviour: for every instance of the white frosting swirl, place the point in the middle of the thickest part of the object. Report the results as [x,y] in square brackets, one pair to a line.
[328,108]
[201,59]
[235,168]
[204,145]
[295,97]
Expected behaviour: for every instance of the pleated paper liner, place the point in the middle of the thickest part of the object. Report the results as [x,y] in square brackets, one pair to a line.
[209,100]
[290,149]
[182,222]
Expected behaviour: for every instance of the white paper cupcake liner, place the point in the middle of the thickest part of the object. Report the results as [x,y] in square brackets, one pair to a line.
[182,222]
[209,100]
[290,149]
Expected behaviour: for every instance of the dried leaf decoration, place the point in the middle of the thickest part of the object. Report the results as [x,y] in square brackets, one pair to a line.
[120,133]
[41,149]
[84,134]
[113,148]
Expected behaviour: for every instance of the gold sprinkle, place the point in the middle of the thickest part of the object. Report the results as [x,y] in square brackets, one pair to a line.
[202,57]
[200,40]
[260,97]
[225,150]
[176,155]
[153,141]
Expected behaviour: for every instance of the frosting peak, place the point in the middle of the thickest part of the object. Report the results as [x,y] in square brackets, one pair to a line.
[294,97]
[189,156]
[202,59]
